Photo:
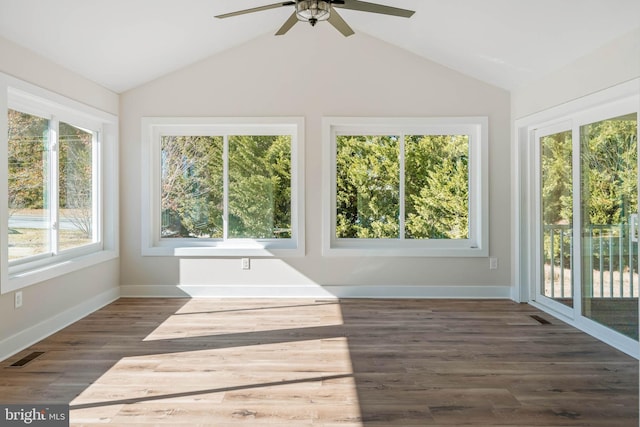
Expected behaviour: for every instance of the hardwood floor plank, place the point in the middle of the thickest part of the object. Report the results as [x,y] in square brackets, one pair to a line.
[350,363]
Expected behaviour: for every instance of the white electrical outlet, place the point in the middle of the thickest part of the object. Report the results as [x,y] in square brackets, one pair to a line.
[18,299]
[246,264]
[493,263]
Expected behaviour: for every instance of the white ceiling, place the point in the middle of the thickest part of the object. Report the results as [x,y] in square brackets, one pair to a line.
[121,44]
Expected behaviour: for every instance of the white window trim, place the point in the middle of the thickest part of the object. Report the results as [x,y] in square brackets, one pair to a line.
[155,127]
[20,95]
[478,243]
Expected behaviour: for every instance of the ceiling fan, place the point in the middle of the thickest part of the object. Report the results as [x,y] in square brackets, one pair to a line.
[312,11]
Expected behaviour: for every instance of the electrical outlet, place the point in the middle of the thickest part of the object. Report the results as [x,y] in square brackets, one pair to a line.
[246,264]
[493,263]
[18,299]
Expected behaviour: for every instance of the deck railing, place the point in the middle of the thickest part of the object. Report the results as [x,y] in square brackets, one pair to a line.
[610,253]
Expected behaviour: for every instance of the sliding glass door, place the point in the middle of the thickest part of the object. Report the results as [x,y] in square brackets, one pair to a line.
[608,213]
[586,228]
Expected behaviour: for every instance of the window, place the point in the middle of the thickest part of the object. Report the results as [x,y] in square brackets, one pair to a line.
[57,185]
[406,187]
[51,185]
[223,187]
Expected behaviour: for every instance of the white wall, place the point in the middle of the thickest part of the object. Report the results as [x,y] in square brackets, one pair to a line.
[53,304]
[30,67]
[313,72]
[615,62]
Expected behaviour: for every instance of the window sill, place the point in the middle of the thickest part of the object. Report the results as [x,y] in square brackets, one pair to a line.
[346,250]
[254,249]
[39,274]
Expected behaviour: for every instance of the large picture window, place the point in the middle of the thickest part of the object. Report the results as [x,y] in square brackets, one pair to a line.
[223,186]
[405,187]
[59,197]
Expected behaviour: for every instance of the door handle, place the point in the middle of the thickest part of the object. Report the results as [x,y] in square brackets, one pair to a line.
[633,227]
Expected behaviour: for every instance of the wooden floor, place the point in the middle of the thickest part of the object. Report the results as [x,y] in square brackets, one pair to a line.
[181,362]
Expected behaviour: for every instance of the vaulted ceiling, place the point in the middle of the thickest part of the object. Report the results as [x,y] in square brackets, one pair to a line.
[121,44]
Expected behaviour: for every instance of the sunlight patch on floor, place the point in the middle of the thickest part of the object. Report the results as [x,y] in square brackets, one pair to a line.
[230,318]
[215,364]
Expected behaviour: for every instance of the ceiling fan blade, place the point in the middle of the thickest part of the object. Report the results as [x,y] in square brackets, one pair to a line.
[289,23]
[339,23]
[364,6]
[256,9]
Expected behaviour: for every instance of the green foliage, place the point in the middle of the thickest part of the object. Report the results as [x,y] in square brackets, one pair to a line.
[557,196]
[557,179]
[259,186]
[27,161]
[436,181]
[192,186]
[609,170]
[435,185]
[367,181]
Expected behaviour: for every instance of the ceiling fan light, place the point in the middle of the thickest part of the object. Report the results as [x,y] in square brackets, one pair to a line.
[313,10]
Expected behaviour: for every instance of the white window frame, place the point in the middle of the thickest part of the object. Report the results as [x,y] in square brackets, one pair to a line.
[153,128]
[477,245]
[21,96]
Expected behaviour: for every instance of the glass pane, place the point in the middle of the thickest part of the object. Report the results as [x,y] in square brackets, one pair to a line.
[191,186]
[437,186]
[609,175]
[76,187]
[557,216]
[28,162]
[260,187]
[367,187]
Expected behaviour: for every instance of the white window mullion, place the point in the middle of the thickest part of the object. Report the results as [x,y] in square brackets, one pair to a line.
[577,220]
[401,188]
[537,214]
[225,187]
[96,187]
[53,184]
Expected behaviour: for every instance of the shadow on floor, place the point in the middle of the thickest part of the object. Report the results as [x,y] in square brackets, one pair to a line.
[348,363]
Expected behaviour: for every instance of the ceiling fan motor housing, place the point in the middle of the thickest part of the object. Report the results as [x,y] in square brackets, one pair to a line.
[312,11]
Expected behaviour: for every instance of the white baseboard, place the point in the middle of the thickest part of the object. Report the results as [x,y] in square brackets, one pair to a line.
[23,339]
[315,291]
[224,291]
[443,292]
